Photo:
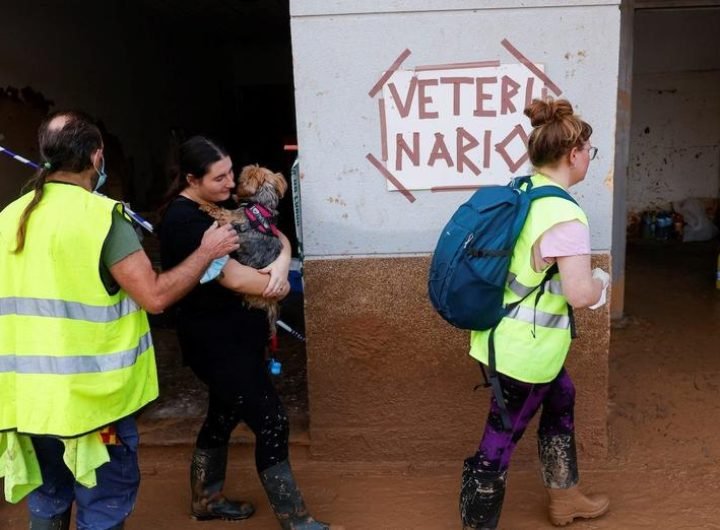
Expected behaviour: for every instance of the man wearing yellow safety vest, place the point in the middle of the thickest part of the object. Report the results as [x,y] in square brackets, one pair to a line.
[532,341]
[76,355]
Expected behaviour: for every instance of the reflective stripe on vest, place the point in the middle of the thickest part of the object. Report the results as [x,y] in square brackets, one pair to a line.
[73,364]
[541,318]
[553,286]
[40,307]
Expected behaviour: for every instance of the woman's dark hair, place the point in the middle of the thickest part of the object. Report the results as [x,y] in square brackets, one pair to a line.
[194,157]
[556,130]
[67,140]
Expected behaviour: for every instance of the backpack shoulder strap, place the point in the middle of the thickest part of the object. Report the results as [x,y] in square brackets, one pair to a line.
[519,182]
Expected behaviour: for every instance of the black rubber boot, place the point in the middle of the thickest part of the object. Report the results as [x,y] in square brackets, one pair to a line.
[481,497]
[558,460]
[59,522]
[286,499]
[207,477]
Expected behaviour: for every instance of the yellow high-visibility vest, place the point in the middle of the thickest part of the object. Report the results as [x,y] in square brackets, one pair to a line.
[72,357]
[532,341]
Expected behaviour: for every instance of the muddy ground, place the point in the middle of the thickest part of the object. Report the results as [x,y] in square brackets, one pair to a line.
[664,418]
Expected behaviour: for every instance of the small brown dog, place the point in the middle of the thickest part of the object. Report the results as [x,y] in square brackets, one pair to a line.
[258,193]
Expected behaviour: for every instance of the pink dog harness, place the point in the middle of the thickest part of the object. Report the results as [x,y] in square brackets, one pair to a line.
[260,218]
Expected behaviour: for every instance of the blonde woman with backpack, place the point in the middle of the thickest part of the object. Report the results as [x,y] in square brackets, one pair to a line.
[531,342]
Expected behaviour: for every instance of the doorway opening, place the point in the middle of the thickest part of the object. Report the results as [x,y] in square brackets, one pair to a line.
[668,140]
[673,184]
[664,343]
[156,72]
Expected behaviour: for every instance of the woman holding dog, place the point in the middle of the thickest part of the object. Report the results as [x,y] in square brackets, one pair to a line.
[532,341]
[223,341]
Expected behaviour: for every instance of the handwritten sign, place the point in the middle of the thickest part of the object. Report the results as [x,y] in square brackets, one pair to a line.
[456,126]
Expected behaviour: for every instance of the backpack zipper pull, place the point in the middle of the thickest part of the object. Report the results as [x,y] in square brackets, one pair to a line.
[468,240]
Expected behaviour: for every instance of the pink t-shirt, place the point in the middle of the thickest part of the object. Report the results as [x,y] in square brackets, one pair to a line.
[571,238]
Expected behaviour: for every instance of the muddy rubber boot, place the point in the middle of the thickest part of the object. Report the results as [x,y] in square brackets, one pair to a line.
[558,458]
[481,497]
[59,522]
[286,500]
[207,477]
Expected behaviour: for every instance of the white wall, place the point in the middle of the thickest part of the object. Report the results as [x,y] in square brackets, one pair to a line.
[675,132]
[341,49]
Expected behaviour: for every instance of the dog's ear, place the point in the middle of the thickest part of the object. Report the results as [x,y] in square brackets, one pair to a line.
[250,179]
[279,183]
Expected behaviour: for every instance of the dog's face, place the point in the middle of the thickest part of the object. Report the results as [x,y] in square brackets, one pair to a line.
[255,179]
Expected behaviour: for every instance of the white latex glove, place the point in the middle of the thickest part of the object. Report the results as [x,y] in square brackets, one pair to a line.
[604,277]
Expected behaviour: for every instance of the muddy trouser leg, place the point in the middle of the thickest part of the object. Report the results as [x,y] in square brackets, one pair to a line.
[209,461]
[269,423]
[484,477]
[556,435]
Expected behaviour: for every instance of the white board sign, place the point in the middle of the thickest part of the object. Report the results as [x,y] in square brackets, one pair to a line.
[454,126]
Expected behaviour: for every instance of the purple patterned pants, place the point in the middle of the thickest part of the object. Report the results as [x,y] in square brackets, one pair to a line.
[557,399]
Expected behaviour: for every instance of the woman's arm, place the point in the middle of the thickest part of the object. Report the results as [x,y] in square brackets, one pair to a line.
[278,271]
[153,291]
[578,285]
[242,279]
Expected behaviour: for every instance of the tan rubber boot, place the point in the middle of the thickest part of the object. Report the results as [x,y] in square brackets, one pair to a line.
[568,504]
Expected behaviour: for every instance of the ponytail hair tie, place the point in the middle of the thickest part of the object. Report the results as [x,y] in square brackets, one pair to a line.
[47,165]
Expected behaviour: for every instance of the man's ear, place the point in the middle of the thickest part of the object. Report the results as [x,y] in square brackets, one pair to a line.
[96,157]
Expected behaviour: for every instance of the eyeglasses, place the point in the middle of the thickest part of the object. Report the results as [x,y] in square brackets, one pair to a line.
[592,152]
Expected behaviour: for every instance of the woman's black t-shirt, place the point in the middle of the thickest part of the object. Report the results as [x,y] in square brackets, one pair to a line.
[215,327]
[181,232]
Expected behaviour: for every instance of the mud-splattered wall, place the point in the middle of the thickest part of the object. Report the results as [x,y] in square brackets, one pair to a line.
[675,132]
[388,379]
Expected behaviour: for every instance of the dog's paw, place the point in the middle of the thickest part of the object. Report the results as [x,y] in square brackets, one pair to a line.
[221,215]
[212,210]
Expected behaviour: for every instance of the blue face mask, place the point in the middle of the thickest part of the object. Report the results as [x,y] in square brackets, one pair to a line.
[102,176]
